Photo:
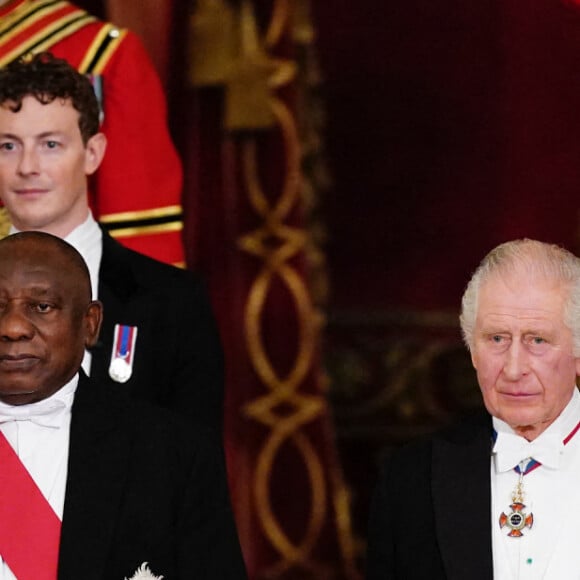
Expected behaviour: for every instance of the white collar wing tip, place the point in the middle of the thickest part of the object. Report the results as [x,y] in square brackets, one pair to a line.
[144,573]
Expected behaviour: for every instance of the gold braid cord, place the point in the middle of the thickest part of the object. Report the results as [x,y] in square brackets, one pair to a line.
[276,244]
[4,223]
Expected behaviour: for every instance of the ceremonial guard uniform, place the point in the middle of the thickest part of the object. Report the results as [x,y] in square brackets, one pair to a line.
[136,192]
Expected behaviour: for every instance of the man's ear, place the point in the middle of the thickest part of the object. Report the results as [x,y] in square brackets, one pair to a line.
[94,152]
[473,358]
[93,320]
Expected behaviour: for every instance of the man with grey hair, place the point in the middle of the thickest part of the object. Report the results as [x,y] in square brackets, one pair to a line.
[497,496]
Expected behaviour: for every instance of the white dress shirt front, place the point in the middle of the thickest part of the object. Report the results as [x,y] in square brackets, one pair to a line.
[550,549]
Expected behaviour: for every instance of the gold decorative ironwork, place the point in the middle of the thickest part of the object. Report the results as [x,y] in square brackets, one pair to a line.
[227,49]
[276,243]
[304,408]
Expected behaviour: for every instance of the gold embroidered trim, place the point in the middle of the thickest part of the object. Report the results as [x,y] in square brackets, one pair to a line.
[46,37]
[106,41]
[94,46]
[170,210]
[146,230]
[28,11]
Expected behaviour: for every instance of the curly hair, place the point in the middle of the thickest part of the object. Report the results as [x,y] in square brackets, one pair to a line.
[47,78]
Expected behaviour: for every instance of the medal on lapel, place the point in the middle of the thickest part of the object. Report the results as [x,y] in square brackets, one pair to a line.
[122,356]
[517,519]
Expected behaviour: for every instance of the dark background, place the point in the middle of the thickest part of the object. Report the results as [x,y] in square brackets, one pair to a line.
[451,126]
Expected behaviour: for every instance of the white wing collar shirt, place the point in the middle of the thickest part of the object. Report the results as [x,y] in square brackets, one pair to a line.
[549,545]
[39,434]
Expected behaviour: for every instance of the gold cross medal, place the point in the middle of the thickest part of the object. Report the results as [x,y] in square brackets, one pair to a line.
[516,520]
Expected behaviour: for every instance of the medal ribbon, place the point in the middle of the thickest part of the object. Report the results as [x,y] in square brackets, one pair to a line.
[121,366]
[532,464]
[124,341]
[30,529]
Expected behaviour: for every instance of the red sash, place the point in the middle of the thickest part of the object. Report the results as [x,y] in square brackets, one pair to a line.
[29,528]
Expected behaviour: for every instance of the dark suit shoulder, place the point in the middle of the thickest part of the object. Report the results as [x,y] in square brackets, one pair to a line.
[471,426]
[415,504]
[154,488]
[178,360]
[414,459]
[148,272]
[462,432]
[145,419]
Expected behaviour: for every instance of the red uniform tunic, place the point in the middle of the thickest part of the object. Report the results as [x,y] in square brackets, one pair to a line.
[137,189]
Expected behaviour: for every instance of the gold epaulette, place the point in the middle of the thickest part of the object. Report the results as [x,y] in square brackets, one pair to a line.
[36,26]
[102,48]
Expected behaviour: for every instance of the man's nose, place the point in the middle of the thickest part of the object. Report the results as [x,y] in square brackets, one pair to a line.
[14,325]
[516,363]
[28,162]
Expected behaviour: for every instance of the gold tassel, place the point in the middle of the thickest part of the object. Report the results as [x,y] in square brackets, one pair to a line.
[248,89]
[302,27]
[212,42]
[4,223]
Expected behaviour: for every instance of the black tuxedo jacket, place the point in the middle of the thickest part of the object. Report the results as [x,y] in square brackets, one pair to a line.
[178,357]
[430,517]
[136,494]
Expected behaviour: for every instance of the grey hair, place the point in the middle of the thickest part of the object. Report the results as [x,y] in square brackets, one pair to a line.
[547,260]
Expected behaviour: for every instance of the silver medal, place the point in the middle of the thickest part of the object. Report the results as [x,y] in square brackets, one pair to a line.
[120,370]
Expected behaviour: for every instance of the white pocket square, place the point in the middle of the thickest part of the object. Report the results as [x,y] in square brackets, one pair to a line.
[143,573]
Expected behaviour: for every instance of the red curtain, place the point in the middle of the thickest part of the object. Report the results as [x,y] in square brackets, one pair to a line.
[453,126]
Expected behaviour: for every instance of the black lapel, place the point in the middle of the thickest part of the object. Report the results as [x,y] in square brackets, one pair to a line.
[116,286]
[115,272]
[100,446]
[462,500]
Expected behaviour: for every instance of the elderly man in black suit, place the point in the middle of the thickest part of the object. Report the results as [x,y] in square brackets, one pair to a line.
[94,484]
[158,339]
[497,496]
